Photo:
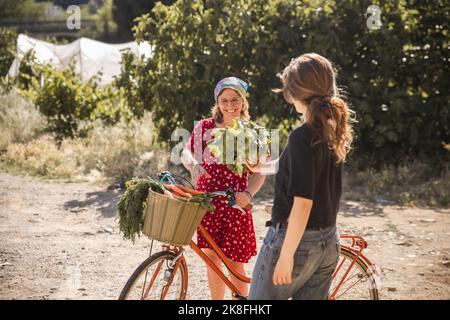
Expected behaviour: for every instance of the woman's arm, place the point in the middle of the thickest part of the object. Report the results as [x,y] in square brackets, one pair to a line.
[188,161]
[255,183]
[298,219]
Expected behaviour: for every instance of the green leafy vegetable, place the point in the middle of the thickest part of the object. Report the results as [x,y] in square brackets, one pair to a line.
[245,141]
[132,204]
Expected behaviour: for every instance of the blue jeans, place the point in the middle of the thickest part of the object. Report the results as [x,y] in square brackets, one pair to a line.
[314,263]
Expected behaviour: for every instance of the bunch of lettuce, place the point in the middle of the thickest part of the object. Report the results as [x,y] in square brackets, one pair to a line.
[244,141]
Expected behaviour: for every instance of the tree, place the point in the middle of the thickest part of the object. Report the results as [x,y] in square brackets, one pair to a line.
[394,76]
[20,9]
[7,49]
[106,27]
[125,11]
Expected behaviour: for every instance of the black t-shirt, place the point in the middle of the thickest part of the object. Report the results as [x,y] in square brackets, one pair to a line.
[308,170]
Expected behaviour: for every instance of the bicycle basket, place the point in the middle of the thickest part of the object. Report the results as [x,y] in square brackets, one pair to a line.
[170,220]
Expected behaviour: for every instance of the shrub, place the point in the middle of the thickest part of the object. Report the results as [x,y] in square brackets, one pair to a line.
[115,153]
[20,121]
[65,100]
[124,150]
[394,76]
[41,157]
[135,81]
[410,183]
[7,49]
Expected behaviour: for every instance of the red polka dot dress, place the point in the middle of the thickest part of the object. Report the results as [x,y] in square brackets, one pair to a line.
[230,228]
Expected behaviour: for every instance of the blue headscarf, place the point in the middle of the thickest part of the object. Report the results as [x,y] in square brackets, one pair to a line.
[232,83]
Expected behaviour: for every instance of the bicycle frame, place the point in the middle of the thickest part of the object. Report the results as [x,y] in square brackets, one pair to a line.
[179,250]
[223,258]
[356,241]
[179,262]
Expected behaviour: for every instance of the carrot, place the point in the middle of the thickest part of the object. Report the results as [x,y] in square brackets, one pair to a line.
[169,194]
[175,189]
[189,190]
[177,196]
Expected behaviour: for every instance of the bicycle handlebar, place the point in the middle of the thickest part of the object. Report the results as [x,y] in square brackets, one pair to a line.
[166,175]
[231,198]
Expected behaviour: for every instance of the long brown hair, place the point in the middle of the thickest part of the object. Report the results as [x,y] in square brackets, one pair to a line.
[311,80]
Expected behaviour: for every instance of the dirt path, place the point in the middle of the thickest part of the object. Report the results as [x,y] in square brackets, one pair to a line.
[60,241]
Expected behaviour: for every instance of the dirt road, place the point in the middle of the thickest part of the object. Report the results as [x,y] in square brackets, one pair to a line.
[60,241]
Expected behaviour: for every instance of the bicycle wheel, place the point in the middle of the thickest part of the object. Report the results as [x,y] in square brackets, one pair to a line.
[359,283]
[157,279]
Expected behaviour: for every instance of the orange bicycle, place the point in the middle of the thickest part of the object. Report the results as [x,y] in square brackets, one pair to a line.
[164,275]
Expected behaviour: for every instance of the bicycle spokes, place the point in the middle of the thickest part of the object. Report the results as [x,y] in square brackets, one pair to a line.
[152,281]
[353,279]
[160,279]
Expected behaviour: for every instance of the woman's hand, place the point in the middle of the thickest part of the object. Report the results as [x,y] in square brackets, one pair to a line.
[283,270]
[264,166]
[254,168]
[243,199]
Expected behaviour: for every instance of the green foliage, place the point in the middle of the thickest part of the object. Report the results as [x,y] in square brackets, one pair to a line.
[26,72]
[131,207]
[135,82]
[226,145]
[105,25]
[394,76]
[21,9]
[125,11]
[7,49]
[65,100]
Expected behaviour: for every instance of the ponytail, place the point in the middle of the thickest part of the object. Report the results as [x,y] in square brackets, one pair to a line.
[329,118]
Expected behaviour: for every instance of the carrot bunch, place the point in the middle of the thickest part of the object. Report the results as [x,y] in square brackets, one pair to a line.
[183,193]
[179,191]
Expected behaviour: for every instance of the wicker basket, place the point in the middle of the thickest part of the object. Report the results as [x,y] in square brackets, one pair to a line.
[171,221]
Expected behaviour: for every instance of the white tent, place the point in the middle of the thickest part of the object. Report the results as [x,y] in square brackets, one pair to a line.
[90,56]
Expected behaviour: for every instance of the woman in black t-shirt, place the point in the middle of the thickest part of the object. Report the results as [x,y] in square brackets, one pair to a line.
[301,249]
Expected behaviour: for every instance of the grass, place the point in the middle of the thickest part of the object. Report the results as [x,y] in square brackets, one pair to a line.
[20,122]
[117,153]
[390,227]
[111,153]
[413,184]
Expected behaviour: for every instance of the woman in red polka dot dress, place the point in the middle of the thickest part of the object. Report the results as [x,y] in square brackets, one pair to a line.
[231,228]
